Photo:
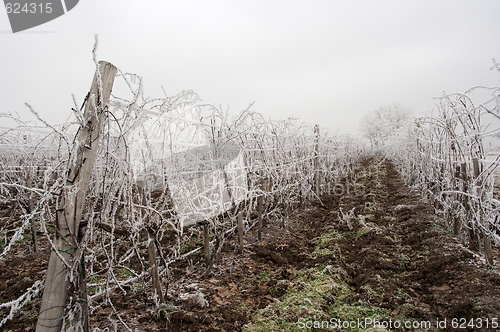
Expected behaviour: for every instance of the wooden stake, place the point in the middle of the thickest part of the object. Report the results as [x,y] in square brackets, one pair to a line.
[486,237]
[487,250]
[473,243]
[82,278]
[301,203]
[260,206]
[68,218]
[154,268]
[151,249]
[29,184]
[456,220]
[316,160]
[475,167]
[240,230]
[206,238]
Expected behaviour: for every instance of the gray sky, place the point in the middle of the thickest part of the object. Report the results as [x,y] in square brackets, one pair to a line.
[326,62]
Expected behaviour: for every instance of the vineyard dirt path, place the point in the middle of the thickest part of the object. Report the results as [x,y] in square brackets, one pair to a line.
[374,250]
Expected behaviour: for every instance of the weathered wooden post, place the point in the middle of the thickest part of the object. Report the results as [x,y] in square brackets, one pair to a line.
[456,219]
[301,199]
[82,286]
[29,184]
[486,237]
[240,230]
[487,248]
[154,268]
[473,241]
[151,248]
[206,240]
[69,214]
[260,208]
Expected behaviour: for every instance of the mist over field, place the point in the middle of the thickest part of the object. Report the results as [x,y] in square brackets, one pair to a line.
[263,166]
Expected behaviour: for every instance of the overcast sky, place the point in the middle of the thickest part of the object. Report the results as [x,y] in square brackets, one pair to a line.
[326,62]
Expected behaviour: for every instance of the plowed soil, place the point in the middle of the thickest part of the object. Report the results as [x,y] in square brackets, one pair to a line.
[371,251]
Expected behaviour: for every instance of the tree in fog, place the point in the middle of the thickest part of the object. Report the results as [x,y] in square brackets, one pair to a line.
[384,123]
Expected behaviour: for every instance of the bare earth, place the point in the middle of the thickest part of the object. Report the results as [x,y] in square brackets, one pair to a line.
[389,260]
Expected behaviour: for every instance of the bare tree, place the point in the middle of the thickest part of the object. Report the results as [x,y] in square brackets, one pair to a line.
[383,123]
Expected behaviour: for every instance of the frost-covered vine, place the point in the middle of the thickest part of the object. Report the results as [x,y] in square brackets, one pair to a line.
[445,157]
[151,149]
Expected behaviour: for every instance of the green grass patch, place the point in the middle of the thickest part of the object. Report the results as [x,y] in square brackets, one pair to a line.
[95,279]
[264,276]
[123,274]
[311,291]
[319,294]
[365,229]
[362,231]
[326,243]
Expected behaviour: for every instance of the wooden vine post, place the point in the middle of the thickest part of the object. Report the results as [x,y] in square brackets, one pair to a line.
[473,239]
[206,242]
[260,209]
[473,244]
[151,248]
[456,219]
[486,237]
[301,199]
[240,231]
[316,160]
[31,204]
[69,214]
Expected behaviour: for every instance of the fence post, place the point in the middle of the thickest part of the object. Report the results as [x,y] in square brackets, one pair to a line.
[69,216]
